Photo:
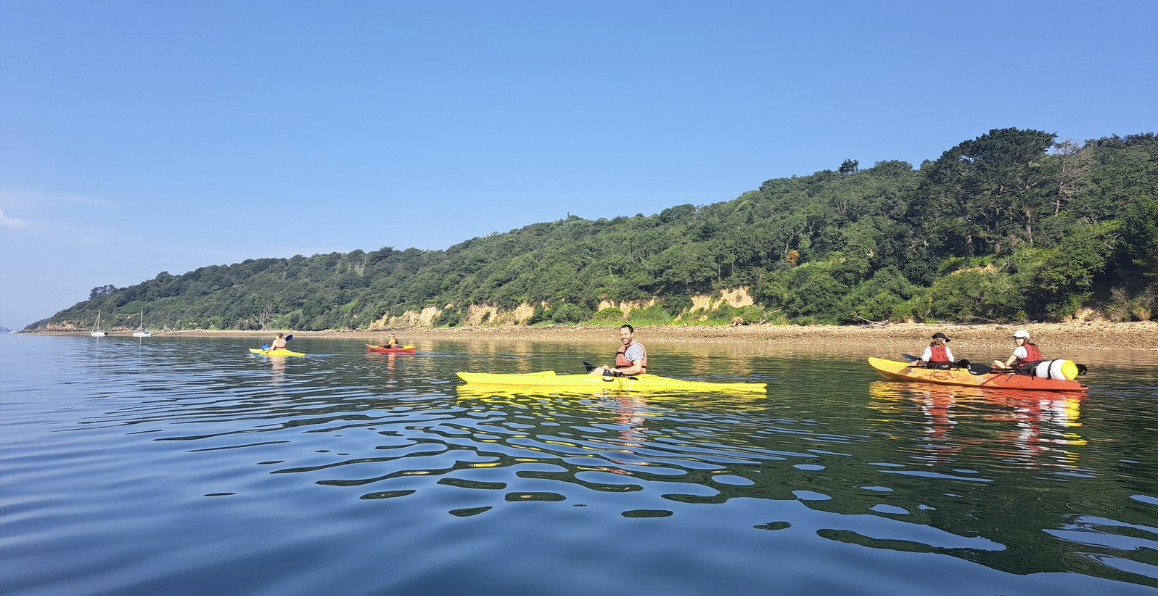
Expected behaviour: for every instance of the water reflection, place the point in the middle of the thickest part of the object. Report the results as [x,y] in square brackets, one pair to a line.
[1028,429]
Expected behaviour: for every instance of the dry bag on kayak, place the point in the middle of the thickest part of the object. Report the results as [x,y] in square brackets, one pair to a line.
[1061,370]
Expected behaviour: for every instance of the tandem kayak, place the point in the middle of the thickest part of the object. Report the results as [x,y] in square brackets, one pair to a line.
[386,350]
[548,378]
[278,352]
[901,371]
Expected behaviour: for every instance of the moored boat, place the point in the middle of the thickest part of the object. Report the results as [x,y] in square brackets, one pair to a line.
[141,331]
[902,371]
[548,378]
[387,350]
[96,328]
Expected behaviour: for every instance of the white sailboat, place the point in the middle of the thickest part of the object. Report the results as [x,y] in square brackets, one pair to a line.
[96,328]
[140,332]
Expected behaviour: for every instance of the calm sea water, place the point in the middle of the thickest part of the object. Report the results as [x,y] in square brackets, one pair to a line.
[187,466]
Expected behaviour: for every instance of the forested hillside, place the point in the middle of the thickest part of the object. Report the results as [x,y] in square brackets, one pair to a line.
[1014,225]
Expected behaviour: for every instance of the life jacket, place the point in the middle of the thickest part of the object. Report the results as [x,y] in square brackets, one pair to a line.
[1028,365]
[1032,354]
[939,354]
[621,360]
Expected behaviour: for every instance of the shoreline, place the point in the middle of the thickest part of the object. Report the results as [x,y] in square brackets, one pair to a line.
[1130,336]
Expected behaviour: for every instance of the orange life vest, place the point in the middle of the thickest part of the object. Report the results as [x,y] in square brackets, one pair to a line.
[1032,354]
[621,360]
[939,354]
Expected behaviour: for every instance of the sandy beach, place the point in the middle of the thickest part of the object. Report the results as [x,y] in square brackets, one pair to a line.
[1084,336]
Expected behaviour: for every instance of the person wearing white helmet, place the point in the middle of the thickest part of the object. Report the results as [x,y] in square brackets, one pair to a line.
[1025,356]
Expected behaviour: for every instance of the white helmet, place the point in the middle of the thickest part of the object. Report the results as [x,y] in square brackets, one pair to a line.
[1022,333]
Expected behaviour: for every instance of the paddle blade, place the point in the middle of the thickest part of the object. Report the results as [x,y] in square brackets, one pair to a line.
[588,367]
[910,357]
[265,346]
[289,337]
[1082,369]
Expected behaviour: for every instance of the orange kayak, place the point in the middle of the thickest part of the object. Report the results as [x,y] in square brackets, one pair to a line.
[901,371]
[386,350]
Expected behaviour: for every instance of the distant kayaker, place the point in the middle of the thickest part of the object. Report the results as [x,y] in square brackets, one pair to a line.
[631,359]
[278,342]
[393,343]
[1025,356]
[937,354]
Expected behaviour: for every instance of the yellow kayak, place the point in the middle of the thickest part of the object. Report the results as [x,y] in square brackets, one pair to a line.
[548,378]
[278,352]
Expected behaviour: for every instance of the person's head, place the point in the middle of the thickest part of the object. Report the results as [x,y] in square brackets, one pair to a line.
[626,334]
[1020,336]
[940,338]
[280,335]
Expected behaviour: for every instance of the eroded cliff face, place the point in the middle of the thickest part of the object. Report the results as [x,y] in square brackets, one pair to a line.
[487,315]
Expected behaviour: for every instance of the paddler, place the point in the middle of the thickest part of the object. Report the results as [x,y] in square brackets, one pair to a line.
[278,342]
[937,354]
[1025,356]
[630,359]
[393,343]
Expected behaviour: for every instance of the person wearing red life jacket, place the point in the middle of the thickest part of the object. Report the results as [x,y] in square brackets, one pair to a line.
[937,354]
[1025,356]
[631,359]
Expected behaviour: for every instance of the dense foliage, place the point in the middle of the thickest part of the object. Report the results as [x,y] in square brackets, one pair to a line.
[1010,226]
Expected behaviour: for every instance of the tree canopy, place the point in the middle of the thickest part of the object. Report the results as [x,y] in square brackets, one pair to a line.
[1014,225]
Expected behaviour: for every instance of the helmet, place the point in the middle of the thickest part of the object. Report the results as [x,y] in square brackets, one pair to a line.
[1022,333]
[941,336]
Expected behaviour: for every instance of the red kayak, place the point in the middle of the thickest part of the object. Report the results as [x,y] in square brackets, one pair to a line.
[386,350]
[901,371]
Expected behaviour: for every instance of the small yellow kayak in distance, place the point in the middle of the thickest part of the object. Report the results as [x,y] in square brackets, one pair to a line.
[277,352]
[548,378]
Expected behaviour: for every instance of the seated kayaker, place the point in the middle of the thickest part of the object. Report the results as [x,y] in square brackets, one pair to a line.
[631,359]
[278,342]
[393,343]
[1025,356]
[937,354]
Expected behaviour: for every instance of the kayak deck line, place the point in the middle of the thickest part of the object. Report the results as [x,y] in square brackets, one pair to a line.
[902,371]
[548,378]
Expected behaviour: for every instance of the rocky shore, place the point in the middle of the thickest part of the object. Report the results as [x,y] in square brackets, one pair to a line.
[1132,336]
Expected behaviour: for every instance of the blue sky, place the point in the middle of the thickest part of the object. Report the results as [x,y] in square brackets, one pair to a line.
[138,136]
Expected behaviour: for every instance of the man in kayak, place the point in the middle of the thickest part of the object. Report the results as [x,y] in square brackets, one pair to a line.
[278,342]
[631,359]
[1025,356]
[937,354]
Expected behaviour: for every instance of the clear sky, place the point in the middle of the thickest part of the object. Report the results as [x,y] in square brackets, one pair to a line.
[139,136]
